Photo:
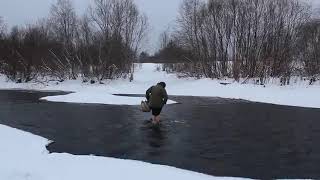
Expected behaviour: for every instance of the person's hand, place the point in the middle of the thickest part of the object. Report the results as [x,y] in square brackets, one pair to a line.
[164,101]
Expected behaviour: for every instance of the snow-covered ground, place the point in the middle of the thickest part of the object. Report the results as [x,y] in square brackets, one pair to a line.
[23,156]
[298,94]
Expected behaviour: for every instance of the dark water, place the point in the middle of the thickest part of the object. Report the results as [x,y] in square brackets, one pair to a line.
[215,136]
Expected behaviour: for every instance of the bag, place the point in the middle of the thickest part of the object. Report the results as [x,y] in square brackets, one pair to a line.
[145,107]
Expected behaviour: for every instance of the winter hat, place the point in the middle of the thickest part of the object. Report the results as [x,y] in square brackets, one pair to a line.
[163,84]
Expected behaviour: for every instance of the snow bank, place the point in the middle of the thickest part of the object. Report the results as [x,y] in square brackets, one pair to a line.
[146,75]
[97,98]
[24,157]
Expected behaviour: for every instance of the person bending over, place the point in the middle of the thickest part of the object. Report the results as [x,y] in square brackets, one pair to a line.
[157,97]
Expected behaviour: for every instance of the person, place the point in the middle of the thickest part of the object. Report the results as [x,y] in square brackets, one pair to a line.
[157,97]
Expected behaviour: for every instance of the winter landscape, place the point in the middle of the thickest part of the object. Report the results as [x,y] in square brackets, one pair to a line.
[242,78]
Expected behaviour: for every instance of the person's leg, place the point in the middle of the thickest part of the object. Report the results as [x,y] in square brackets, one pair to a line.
[154,121]
[153,118]
[156,113]
[157,119]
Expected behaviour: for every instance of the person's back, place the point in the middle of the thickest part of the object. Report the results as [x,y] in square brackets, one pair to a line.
[157,97]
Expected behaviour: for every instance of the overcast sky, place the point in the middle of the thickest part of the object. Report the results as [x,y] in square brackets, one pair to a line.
[161,13]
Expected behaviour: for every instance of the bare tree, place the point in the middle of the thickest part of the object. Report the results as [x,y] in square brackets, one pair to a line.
[241,38]
[64,24]
[309,47]
[121,28]
[100,45]
[64,21]
[2,27]
[2,45]
[164,39]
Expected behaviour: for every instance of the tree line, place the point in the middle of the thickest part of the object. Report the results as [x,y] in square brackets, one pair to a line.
[101,44]
[245,39]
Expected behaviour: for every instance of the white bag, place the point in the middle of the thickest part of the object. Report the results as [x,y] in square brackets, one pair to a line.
[145,107]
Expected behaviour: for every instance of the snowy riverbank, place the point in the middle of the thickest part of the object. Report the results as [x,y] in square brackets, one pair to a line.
[299,94]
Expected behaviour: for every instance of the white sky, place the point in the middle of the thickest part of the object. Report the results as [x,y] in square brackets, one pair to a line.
[161,13]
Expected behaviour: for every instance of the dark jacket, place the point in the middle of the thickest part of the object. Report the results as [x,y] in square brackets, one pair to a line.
[157,96]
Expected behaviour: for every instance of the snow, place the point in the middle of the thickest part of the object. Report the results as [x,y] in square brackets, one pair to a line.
[298,94]
[24,157]
[97,98]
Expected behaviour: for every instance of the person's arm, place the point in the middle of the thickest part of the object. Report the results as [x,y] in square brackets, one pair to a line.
[148,92]
[165,96]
